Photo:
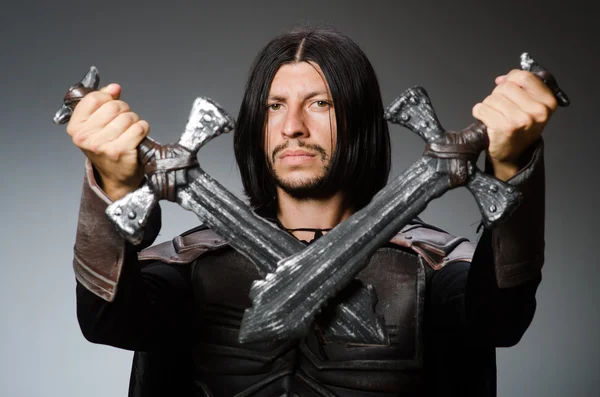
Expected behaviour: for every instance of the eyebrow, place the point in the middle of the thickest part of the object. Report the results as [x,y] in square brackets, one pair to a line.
[307,96]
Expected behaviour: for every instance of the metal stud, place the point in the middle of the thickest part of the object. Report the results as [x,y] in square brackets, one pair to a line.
[118,211]
[413,100]
[131,215]
[424,124]
[510,190]
[404,117]
[494,188]
[493,208]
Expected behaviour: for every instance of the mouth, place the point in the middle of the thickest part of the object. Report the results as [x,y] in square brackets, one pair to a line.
[296,153]
[296,157]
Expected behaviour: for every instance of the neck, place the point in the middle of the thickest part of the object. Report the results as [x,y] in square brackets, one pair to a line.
[322,213]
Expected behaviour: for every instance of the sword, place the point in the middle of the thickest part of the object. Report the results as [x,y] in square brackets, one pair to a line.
[286,301]
[173,173]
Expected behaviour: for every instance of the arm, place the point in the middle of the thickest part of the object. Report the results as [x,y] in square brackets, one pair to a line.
[495,296]
[119,303]
[493,299]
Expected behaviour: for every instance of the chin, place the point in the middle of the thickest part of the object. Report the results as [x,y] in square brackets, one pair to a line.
[304,188]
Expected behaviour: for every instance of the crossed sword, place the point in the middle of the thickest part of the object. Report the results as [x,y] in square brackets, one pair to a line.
[298,279]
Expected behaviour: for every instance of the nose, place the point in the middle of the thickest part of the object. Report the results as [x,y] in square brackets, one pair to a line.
[294,124]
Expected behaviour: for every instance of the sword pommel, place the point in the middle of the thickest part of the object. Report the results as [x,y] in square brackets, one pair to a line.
[75,93]
[530,64]
[413,110]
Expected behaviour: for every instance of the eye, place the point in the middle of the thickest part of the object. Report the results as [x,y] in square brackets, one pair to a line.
[274,106]
[322,104]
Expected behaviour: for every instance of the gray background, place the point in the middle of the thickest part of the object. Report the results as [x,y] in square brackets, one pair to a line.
[166,55]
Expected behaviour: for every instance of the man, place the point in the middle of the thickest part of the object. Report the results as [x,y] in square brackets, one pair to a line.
[313,148]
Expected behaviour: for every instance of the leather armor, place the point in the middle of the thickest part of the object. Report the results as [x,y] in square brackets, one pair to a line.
[316,365]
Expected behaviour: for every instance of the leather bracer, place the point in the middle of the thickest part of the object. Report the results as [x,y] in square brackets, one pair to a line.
[518,243]
[99,250]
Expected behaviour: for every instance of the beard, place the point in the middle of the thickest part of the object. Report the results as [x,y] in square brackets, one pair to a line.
[314,187]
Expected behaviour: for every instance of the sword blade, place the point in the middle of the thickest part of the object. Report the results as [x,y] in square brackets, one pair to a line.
[260,241]
[266,245]
[285,303]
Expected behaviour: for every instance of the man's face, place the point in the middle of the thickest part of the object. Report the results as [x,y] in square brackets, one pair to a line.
[300,128]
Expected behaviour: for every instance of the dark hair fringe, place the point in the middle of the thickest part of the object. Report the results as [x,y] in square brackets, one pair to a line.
[361,162]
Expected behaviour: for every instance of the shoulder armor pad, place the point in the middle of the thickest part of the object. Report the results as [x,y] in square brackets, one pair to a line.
[437,247]
[185,248]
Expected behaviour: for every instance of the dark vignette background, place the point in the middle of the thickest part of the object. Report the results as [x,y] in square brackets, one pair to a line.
[166,54]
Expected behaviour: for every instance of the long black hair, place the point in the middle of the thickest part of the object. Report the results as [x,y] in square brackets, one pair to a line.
[361,162]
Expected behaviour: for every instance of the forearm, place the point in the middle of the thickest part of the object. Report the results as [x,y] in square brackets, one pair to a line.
[518,243]
[500,299]
[117,302]
[152,309]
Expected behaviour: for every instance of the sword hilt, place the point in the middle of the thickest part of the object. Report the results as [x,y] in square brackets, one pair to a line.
[165,166]
[458,151]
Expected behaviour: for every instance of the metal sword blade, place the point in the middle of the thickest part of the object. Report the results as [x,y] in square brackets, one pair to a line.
[285,303]
[265,245]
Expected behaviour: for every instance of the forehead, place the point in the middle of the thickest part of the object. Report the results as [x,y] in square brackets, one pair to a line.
[297,79]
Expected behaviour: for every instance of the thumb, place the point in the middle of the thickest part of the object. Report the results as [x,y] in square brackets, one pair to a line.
[113,89]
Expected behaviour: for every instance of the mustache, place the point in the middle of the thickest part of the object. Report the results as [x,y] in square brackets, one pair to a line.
[286,145]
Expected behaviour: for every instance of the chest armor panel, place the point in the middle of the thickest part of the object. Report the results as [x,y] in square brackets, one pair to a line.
[318,365]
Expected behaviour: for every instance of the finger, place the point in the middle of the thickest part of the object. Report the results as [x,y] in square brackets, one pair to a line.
[489,116]
[113,90]
[106,114]
[515,117]
[500,79]
[539,111]
[85,108]
[112,131]
[130,139]
[534,86]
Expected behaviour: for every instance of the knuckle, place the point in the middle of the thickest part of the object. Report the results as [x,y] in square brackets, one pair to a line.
[94,99]
[71,130]
[553,103]
[115,107]
[540,112]
[129,118]
[109,152]
[111,107]
[524,77]
[527,120]
[78,140]
[123,106]
[143,126]
[507,88]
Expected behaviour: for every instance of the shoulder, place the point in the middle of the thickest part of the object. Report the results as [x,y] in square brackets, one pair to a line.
[184,248]
[437,247]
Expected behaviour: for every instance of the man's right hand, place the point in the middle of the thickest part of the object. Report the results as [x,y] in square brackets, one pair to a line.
[108,133]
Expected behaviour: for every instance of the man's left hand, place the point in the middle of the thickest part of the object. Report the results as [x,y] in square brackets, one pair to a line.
[515,115]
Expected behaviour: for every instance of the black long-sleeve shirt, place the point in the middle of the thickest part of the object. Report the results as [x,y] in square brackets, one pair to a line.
[466,316]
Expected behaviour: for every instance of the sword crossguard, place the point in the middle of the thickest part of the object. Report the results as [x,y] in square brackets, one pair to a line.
[457,151]
[165,166]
